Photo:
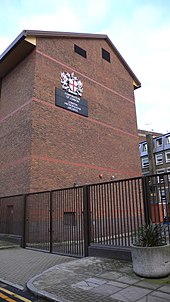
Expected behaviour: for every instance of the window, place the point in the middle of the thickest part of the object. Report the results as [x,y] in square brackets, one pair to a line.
[159,159]
[168,139]
[105,55]
[144,147]
[161,177]
[145,162]
[80,51]
[162,195]
[159,142]
[167,156]
[168,171]
[69,218]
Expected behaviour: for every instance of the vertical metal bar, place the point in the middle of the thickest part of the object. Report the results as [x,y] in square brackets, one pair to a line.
[154,202]
[94,203]
[159,211]
[120,213]
[117,214]
[136,200]
[140,201]
[71,217]
[76,223]
[146,199]
[59,221]
[86,211]
[124,213]
[51,222]
[133,205]
[114,212]
[64,233]
[103,213]
[70,207]
[168,206]
[106,216]
[27,220]
[23,243]
[81,223]
[79,200]
[127,202]
[110,233]
[79,239]
[97,214]
[67,228]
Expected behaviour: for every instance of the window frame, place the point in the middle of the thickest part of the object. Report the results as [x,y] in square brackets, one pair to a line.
[157,140]
[80,51]
[168,171]
[168,140]
[162,196]
[161,171]
[144,147]
[106,55]
[157,161]
[166,159]
[145,165]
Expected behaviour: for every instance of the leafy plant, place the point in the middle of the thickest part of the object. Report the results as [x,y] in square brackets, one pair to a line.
[150,235]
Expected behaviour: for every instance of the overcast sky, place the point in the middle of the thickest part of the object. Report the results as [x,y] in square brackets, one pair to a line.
[140,30]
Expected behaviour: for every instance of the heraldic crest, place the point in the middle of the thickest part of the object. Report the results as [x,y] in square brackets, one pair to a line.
[71,84]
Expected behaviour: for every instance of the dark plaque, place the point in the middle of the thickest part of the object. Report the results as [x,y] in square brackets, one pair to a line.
[71,102]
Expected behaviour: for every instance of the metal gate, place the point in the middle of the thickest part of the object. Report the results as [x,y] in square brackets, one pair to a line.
[73,221]
[55,221]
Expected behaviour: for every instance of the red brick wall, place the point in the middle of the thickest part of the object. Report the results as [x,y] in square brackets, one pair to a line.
[16,128]
[56,147]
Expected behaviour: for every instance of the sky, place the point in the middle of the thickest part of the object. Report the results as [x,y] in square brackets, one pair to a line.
[140,30]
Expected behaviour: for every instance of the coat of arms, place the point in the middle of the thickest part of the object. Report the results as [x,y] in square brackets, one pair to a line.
[71,84]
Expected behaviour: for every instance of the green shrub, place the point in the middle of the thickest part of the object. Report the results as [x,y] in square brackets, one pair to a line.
[150,235]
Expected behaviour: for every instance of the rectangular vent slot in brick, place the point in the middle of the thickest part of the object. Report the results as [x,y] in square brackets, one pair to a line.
[69,218]
[80,51]
[105,55]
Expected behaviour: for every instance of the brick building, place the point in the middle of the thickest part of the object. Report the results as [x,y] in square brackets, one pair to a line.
[55,135]
[143,133]
[155,159]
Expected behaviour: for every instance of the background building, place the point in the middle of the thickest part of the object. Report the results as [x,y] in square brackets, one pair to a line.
[155,160]
[158,154]
[142,134]
[67,112]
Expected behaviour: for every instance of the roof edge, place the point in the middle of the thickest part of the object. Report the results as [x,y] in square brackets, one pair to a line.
[40,33]
[18,39]
[137,82]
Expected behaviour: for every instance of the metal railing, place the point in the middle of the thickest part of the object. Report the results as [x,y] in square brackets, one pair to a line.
[68,221]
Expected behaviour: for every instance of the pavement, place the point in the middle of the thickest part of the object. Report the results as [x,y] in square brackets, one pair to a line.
[68,279]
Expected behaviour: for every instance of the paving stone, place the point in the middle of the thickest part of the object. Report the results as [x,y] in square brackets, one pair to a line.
[118,284]
[111,275]
[165,288]
[106,290]
[162,295]
[85,285]
[155,299]
[89,279]
[128,279]
[144,299]
[150,298]
[147,284]
[131,293]
[96,281]
[19,265]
